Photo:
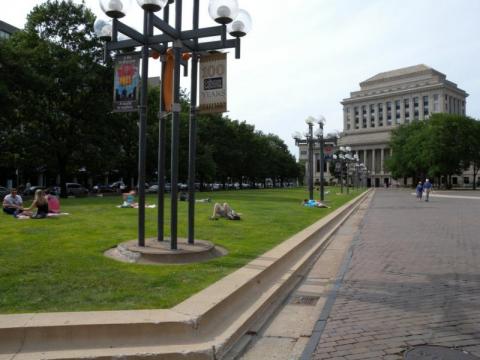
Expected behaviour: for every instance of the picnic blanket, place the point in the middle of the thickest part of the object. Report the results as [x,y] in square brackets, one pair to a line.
[23,217]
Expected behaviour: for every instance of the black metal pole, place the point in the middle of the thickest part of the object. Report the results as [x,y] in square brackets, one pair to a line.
[322,165]
[162,136]
[310,161]
[192,134]
[142,133]
[175,128]
[341,176]
[347,166]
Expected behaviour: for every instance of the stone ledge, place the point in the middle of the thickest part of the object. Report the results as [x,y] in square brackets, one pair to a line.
[207,324]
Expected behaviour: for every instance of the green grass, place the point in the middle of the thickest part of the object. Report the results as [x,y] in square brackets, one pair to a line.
[57,264]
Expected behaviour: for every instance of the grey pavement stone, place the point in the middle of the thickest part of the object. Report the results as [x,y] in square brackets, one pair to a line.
[414,279]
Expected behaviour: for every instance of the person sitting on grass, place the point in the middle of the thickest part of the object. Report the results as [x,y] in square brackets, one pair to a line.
[224,211]
[129,200]
[53,202]
[12,203]
[40,202]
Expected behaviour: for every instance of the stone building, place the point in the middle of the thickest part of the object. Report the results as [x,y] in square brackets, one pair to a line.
[6,30]
[388,100]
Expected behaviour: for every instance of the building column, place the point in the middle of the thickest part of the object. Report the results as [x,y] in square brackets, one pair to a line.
[382,159]
[376,114]
[402,111]
[374,171]
[412,112]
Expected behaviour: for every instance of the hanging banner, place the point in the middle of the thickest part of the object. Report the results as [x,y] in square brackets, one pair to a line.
[213,83]
[126,83]
[328,152]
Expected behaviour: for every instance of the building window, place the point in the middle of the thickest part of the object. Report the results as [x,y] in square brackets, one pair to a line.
[4,35]
[389,113]
[380,114]
[415,108]
[463,107]
[397,111]
[364,116]
[406,105]
[372,115]
[425,106]
[303,152]
[454,180]
[436,106]
[466,180]
[355,111]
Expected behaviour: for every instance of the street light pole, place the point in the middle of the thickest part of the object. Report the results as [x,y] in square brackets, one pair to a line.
[321,123]
[223,12]
[310,121]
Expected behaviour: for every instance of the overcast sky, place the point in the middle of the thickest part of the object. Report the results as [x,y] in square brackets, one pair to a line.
[303,57]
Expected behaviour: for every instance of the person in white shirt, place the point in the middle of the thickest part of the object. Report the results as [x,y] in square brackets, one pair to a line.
[12,203]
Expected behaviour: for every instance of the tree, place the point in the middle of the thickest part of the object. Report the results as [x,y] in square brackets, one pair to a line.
[438,147]
[65,120]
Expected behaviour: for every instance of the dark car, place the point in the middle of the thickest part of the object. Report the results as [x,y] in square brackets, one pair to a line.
[103,188]
[74,189]
[31,190]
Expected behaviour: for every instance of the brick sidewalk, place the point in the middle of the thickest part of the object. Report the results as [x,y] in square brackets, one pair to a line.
[414,278]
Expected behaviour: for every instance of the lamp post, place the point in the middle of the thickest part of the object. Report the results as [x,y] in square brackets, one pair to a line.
[309,136]
[321,123]
[223,12]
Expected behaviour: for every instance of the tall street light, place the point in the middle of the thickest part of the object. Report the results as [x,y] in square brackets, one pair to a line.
[310,121]
[182,42]
[321,122]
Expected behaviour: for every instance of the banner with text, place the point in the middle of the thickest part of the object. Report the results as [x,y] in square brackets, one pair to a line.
[126,83]
[213,83]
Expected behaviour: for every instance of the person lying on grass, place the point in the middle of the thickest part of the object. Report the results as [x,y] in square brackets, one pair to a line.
[224,211]
[313,203]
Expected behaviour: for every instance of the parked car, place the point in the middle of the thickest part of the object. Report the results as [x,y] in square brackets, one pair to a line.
[118,186]
[74,189]
[31,190]
[152,188]
[3,192]
[102,188]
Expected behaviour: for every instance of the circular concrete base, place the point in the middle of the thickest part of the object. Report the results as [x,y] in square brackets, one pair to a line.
[159,252]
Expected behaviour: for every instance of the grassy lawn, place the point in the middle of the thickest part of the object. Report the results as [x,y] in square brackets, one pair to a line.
[57,264]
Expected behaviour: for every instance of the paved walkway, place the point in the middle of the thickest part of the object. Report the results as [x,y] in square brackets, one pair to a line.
[414,278]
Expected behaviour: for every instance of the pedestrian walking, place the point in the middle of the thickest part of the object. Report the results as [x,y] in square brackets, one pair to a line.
[427,188]
[419,191]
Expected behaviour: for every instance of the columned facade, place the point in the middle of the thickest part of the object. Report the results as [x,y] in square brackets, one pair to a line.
[388,100]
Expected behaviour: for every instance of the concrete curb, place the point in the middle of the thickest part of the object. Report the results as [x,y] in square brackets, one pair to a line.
[205,326]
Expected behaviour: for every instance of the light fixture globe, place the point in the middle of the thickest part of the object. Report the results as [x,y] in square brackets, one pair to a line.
[114,8]
[297,135]
[321,120]
[223,11]
[310,120]
[241,25]
[103,29]
[152,5]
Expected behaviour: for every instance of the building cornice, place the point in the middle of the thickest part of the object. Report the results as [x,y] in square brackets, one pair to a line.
[413,90]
